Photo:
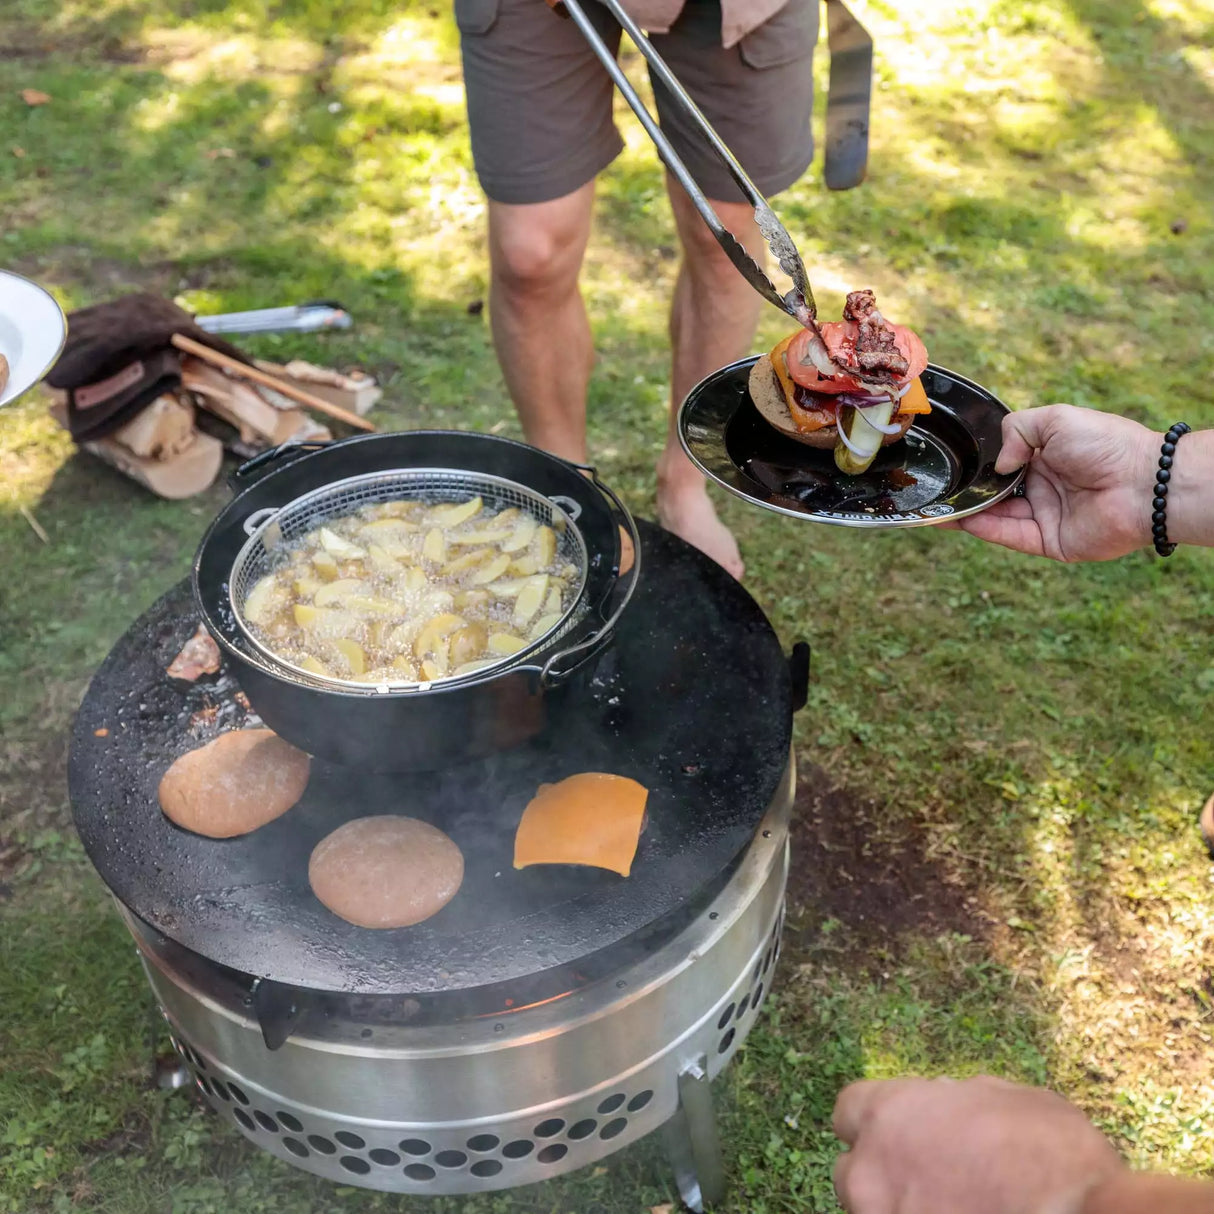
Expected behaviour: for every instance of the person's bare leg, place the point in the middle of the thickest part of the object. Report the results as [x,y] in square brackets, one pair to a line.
[712,322]
[539,323]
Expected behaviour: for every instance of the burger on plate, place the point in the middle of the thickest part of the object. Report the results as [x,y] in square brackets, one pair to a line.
[852,384]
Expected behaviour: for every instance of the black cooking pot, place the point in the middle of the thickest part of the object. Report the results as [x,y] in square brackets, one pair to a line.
[427,726]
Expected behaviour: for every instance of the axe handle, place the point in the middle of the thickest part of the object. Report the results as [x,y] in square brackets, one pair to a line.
[316,403]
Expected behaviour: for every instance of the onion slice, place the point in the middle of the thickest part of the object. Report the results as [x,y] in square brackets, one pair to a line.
[890,427]
[849,443]
[816,353]
[854,452]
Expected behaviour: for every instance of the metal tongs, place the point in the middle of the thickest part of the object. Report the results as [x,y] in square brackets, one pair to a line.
[799,302]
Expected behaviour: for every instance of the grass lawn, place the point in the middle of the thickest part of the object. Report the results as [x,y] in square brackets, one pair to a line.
[996,865]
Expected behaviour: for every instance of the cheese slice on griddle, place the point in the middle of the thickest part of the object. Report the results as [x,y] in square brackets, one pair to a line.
[591,819]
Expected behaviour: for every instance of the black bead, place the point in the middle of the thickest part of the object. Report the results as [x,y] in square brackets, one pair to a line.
[1160,516]
[1165,461]
[1163,476]
[1172,435]
[1161,490]
[1169,448]
[1160,530]
[1159,503]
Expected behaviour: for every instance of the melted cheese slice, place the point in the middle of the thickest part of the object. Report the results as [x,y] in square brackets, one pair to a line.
[806,420]
[915,400]
[779,363]
[590,819]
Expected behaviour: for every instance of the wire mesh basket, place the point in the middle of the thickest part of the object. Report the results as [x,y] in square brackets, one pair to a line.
[273,531]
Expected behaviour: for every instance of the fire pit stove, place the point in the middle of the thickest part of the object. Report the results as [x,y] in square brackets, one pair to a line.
[545,1018]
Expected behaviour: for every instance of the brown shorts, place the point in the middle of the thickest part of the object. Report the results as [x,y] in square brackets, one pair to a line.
[540,103]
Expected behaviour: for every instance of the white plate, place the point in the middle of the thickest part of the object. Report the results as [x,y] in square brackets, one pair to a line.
[32,332]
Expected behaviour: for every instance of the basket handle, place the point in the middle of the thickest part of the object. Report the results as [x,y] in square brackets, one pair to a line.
[568,505]
[258,517]
[562,664]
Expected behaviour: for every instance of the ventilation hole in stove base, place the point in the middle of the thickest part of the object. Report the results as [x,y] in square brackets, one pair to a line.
[758,998]
[352,1163]
[451,1159]
[203,1085]
[583,1129]
[743,1005]
[291,1123]
[484,1142]
[726,1017]
[295,1147]
[613,1129]
[639,1101]
[518,1149]
[550,1128]
[237,1093]
[319,1143]
[557,1151]
[220,1090]
[612,1103]
[420,1171]
[486,1168]
[245,1120]
[415,1146]
[266,1121]
[726,1041]
[384,1157]
[350,1140]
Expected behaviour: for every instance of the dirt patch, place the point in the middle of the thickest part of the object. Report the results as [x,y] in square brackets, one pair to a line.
[32,44]
[12,859]
[855,862]
[132,1139]
[106,277]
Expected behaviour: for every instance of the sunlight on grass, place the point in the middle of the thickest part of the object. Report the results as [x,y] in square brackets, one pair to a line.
[1195,21]
[229,59]
[411,40]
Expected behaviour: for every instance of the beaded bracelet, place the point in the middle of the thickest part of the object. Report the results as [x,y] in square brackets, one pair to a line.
[1159,517]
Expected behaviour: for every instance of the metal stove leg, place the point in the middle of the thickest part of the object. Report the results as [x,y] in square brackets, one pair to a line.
[169,1072]
[692,1141]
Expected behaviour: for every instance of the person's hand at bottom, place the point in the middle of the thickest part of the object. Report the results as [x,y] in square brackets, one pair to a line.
[974,1146]
[1087,490]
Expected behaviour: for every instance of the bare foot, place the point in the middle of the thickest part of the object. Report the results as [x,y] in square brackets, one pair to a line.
[690,515]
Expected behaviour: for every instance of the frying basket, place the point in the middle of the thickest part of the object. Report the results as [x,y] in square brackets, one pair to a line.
[273,530]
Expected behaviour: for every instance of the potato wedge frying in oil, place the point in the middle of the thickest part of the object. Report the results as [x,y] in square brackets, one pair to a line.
[408,591]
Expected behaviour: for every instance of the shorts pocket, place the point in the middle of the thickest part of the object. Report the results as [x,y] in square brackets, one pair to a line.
[786,37]
[476,16]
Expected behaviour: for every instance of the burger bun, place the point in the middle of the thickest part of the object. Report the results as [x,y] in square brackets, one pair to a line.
[768,396]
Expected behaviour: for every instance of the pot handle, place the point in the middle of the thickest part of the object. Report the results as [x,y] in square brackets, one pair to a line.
[562,664]
[284,451]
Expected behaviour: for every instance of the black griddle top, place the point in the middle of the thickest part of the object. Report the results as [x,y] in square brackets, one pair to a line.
[693,700]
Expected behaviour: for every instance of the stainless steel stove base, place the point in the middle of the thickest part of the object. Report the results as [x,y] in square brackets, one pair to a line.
[498,1102]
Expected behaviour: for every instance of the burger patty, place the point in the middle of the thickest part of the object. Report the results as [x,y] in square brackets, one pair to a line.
[875,351]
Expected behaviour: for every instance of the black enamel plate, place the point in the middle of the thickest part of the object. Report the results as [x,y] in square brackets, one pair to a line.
[944,468]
